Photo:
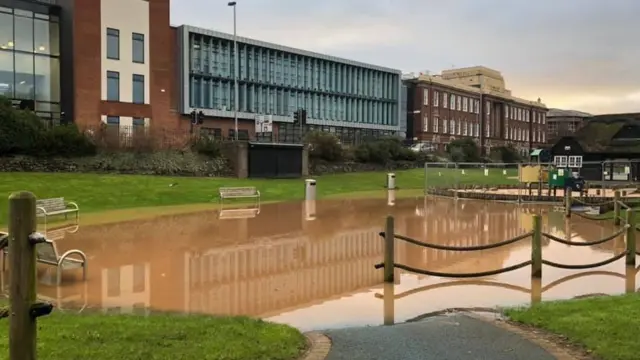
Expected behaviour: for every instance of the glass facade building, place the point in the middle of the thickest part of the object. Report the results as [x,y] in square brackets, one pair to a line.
[276,80]
[30,59]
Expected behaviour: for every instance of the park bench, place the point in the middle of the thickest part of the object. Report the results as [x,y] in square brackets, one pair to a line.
[60,232]
[54,207]
[238,193]
[47,253]
[238,213]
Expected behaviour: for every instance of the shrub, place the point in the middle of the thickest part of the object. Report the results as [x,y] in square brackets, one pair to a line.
[506,154]
[207,146]
[381,151]
[24,133]
[324,146]
[464,150]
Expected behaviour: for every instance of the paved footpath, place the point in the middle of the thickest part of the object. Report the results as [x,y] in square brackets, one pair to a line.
[447,337]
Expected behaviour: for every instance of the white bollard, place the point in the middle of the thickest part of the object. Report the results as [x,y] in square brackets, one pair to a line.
[310,210]
[391,198]
[310,189]
[463,172]
[391,181]
[504,172]
[486,172]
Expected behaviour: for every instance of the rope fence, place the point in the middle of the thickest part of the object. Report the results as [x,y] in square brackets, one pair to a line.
[536,261]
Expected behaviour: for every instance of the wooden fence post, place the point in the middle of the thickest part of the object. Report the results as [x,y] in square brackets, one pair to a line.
[616,207]
[567,202]
[388,316]
[536,290]
[631,237]
[389,240]
[536,248]
[22,261]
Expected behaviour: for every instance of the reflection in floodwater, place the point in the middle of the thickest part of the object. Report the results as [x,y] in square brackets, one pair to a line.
[310,264]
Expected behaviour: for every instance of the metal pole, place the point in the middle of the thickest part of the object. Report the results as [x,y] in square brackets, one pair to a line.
[236,67]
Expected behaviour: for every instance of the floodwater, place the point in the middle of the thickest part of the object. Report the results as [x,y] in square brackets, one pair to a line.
[311,265]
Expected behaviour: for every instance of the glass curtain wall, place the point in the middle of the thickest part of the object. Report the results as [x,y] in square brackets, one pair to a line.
[30,59]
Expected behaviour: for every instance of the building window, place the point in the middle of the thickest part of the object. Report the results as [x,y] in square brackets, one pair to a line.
[138,89]
[137,121]
[113,86]
[425,94]
[459,103]
[435,124]
[477,106]
[113,44]
[445,129]
[425,123]
[452,127]
[436,99]
[138,48]
[445,100]
[113,120]
[465,104]
[575,162]
[452,102]
[561,161]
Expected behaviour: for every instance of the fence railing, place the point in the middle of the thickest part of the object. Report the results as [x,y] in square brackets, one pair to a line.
[535,290]
[535,262]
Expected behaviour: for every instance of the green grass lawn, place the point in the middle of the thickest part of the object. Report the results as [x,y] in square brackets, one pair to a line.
[608,326]
[97,192]
[65,336]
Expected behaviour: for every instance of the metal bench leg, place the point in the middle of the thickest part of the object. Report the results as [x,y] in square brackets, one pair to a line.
[58,275]
[84,271]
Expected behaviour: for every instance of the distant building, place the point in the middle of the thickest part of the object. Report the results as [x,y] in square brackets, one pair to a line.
[605,148]
[472,102]
[348,98]
[564,123]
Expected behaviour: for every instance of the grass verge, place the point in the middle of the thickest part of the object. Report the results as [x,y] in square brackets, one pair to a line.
[100,192]
[65,336]
[607,326]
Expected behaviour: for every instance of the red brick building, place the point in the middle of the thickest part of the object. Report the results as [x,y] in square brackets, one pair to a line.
[472,103]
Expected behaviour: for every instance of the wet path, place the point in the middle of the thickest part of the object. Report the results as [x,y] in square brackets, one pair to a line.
[452,337]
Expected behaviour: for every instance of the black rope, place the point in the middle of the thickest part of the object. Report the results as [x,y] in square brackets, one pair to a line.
[563,280]
[585,266]
[588,243]
[455,275]
[624,205]
[461,248]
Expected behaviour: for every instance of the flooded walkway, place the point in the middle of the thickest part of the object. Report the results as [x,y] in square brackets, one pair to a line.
[310,265]
[454,337]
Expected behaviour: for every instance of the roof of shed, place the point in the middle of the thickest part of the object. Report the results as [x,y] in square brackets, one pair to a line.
[597,135]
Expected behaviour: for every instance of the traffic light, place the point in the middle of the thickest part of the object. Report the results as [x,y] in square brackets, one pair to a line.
[303,117]
[194,117]
[200,119]
[296,116]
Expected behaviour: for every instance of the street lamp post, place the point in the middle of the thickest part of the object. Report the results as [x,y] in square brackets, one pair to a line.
[236,63]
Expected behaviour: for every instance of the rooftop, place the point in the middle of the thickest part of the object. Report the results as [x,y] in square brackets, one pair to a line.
[599,133]
[567,113]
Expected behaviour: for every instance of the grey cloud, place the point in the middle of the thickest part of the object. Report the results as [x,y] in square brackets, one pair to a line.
[554,49]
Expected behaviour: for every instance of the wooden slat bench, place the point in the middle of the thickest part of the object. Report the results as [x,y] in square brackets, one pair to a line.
[238,193]
[238,213]
[47,253]
[54,207]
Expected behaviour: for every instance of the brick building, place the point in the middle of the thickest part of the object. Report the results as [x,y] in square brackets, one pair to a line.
[564,123]
[474,103]
[102,61]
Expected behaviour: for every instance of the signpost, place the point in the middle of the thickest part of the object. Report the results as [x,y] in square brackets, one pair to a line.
[264,125]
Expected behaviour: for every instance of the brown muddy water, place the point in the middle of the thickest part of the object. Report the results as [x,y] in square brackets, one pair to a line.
[310,265]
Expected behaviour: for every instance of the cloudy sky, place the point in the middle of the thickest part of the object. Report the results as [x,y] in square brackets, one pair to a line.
[577,54]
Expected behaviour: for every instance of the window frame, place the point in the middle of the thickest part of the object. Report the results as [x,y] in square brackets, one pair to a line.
[560,161]
[135,122]
[113,120]
[575,162]
[137,38]
[137,78]
[113,33]
[115,75]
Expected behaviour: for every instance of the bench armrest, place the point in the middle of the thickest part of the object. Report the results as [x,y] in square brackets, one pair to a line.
[73,252]
[258,193]
[41,209]
[73,205]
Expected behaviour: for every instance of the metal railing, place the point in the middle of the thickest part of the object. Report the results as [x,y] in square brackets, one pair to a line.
[536,261]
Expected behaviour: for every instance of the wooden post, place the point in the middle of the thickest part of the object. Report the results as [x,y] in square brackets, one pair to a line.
[388,306]
[389,231]
[22,260]
[616,207]
[567,202]
[536,290]
[631,237]
[630,279]
[536,248]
